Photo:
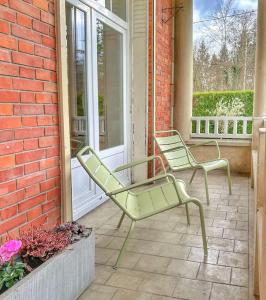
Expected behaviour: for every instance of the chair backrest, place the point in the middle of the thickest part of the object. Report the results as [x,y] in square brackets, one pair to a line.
[174,149]
[106,179]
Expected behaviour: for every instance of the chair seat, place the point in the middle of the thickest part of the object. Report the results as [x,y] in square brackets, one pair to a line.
[213,165]
[160,198]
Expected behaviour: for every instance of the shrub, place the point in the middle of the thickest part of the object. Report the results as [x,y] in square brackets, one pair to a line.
[11,273]
[75,230]
[205,104]
[40,244]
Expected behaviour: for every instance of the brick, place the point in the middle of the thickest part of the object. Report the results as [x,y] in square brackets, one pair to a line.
[7,187]
[7,161]
[55,193]
[27,72]
[48,184]
[49,64]
[8,212]
[28,133]
[11,199]
[44,120]
[53,151]
[5,83]
[6,109]
[47,18]
[42,4]
[24,20]
[42,51]
[26,47]
[6,135]
[7,14]
[10,122]
[11,147]
[30,179]
[29,121]
[32,167]
[27,85]
[25,8]
[53,172]
[12,223]
[40,26]
[49,163]
[26,33]
[34,213]
[48,141]
[31,144]
[54,217]
[45,75]
[4,27]
[51,109]
[9,96]
[44,98]
[9,69]
[29,156]
[8,42]
[48,206]
[49,42]
[51,130]
[32,190]
[6,175]
[26,59]
[4,2]
[31,202]
[27,97]
[5,55]
[28,109]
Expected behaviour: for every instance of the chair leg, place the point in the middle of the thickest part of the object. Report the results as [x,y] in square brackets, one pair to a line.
[193,175]
[206,187]
[123,249]
[203,229]
[188,216]
[120,221]
[229,179]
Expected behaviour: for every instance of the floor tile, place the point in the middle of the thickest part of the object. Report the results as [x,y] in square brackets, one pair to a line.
[174,251]
[232,259]
[192,289]
[99,292]
[119,279]
[240,277]
[228,292]
[197,254]
[235,234]
[214,273]
[220,244]
[183,268]
[241,246]
[154,264]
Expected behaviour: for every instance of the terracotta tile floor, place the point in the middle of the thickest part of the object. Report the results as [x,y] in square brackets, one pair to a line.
[165,256]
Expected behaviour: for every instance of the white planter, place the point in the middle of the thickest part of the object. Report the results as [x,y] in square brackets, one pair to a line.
[63,277]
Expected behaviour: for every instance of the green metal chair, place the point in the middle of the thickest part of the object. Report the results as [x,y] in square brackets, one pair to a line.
[139,204]
[179,157]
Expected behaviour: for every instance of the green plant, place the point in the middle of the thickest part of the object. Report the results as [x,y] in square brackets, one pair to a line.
[205,104]
[11,273]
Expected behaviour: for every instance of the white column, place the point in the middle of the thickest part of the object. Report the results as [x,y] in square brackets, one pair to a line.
[183,68]
[260,72]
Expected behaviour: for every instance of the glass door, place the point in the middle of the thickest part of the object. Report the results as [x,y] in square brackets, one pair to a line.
[96,47]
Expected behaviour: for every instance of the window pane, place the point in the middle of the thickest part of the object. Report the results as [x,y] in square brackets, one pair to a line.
[110,86]
[118,7]
[76,47]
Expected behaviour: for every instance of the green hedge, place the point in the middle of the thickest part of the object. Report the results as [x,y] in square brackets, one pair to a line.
[204,104]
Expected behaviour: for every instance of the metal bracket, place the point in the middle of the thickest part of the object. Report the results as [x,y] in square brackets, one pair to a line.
[173,9]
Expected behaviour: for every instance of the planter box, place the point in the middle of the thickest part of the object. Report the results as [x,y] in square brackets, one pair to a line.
[63,277]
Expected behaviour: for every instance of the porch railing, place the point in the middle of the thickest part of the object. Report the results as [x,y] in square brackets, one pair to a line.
[79,125]
[222,127]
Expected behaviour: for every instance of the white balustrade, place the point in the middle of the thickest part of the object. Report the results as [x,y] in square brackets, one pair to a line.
[222,127]
[79,125]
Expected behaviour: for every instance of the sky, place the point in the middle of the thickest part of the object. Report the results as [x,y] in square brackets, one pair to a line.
[203,9]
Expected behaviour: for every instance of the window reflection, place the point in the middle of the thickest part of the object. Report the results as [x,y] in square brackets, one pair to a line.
[76,46]
[118,7]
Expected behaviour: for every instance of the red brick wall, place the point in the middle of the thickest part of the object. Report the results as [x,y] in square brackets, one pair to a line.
[29,137]
[164,58]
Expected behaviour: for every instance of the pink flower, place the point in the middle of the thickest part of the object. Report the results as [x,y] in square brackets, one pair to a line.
[9,249]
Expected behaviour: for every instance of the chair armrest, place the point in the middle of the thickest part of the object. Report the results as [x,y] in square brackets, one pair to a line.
[135,185]
[206,143]
[139,162]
